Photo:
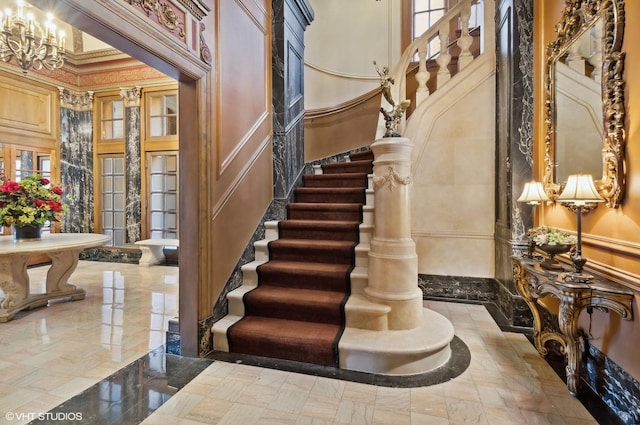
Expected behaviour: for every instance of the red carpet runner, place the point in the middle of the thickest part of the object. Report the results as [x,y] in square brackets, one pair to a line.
[297,310]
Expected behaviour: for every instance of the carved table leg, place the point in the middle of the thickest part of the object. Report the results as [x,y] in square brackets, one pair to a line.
[14,282]
[63,264]
[568,322]
[524,289]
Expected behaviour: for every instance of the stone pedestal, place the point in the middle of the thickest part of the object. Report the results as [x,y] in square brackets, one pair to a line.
[393,262]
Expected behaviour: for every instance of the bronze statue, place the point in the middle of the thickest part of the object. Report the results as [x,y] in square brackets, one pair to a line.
[392,118]
[385,83]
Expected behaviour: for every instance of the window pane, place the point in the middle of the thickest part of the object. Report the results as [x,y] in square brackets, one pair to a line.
[112,119]
[112,197]
[171,183]
[163,115]
[107,184]
[107,202]
[171,163]
[118,202]
[118,166]
[118,184]
[155,124]
[163,195]
[420,5]
[171,202]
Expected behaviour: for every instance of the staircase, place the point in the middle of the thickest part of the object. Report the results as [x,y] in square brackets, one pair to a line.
[291,304]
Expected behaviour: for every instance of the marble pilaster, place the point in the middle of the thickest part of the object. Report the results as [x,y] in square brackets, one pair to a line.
[133,167]
[514,141]
[290,19]
[76,159]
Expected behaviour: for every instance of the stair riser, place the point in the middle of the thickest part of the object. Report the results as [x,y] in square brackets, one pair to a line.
[293,280]
[347,167]
[311,254]
[320,234]
[325,198]
[329,181]
[296,214]
[286,309]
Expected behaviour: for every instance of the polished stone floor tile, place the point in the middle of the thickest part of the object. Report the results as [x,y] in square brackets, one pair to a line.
[102,358]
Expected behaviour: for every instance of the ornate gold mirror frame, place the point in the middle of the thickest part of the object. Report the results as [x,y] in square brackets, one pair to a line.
[577,17]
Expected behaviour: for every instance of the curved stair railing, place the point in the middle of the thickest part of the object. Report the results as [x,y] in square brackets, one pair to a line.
[460,21]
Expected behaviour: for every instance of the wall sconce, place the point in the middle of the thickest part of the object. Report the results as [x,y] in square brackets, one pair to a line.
[579,191]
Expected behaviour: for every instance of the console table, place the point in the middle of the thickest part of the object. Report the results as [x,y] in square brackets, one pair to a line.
[534,282]
[63,249]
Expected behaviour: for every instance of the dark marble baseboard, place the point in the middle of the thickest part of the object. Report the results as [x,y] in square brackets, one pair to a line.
[112,255]
[611,395]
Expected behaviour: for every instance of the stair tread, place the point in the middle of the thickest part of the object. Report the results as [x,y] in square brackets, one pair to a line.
[325,205]
[299,222]
[330,189]
[334,176]
[305,267]
[298,296]
[267,327]
[326,243]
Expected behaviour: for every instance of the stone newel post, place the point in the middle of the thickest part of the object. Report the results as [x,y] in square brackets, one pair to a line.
[393,262]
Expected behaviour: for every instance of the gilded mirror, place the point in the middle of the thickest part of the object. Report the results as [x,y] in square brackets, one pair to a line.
[585,99]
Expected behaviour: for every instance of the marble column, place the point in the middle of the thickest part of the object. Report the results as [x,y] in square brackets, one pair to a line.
[132,163]
[514,147]
[76,159]
[290,19]
[393,262]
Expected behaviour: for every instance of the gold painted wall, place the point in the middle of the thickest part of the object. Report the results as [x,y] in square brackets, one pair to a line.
[240,171]
[611,237]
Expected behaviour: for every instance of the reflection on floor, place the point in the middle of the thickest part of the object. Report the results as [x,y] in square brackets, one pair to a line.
[101,358]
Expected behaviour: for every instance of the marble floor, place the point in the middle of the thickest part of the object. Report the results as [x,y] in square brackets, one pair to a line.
[101,361]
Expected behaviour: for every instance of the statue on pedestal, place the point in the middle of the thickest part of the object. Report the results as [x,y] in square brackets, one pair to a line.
[393,116]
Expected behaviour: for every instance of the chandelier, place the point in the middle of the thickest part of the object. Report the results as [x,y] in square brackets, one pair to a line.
[22,38]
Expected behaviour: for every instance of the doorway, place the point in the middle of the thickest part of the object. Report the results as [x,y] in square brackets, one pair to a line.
[135,35]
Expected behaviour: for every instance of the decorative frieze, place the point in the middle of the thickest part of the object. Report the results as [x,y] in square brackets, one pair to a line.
[164,14]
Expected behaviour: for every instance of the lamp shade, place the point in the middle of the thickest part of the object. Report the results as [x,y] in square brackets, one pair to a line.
[579,190]
[533,193]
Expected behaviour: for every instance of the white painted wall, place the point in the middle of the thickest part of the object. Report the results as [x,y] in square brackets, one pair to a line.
[453,199]
[341,44]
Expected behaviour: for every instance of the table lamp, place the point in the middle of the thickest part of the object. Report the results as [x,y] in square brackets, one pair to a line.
[533,194]
[579,191]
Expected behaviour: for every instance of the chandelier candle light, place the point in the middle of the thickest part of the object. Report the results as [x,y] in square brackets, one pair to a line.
[24,39]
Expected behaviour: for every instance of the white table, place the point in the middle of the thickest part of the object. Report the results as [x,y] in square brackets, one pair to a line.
[63,249]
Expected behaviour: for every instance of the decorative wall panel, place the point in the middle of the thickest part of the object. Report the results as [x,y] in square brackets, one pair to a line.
[29,114]
[243,103]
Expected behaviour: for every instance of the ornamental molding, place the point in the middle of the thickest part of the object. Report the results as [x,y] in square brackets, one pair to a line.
[131,96]
[80,102]
[391,179]
[164,13]
[198,8]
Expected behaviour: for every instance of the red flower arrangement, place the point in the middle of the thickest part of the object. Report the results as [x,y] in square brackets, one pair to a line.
[30,202]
